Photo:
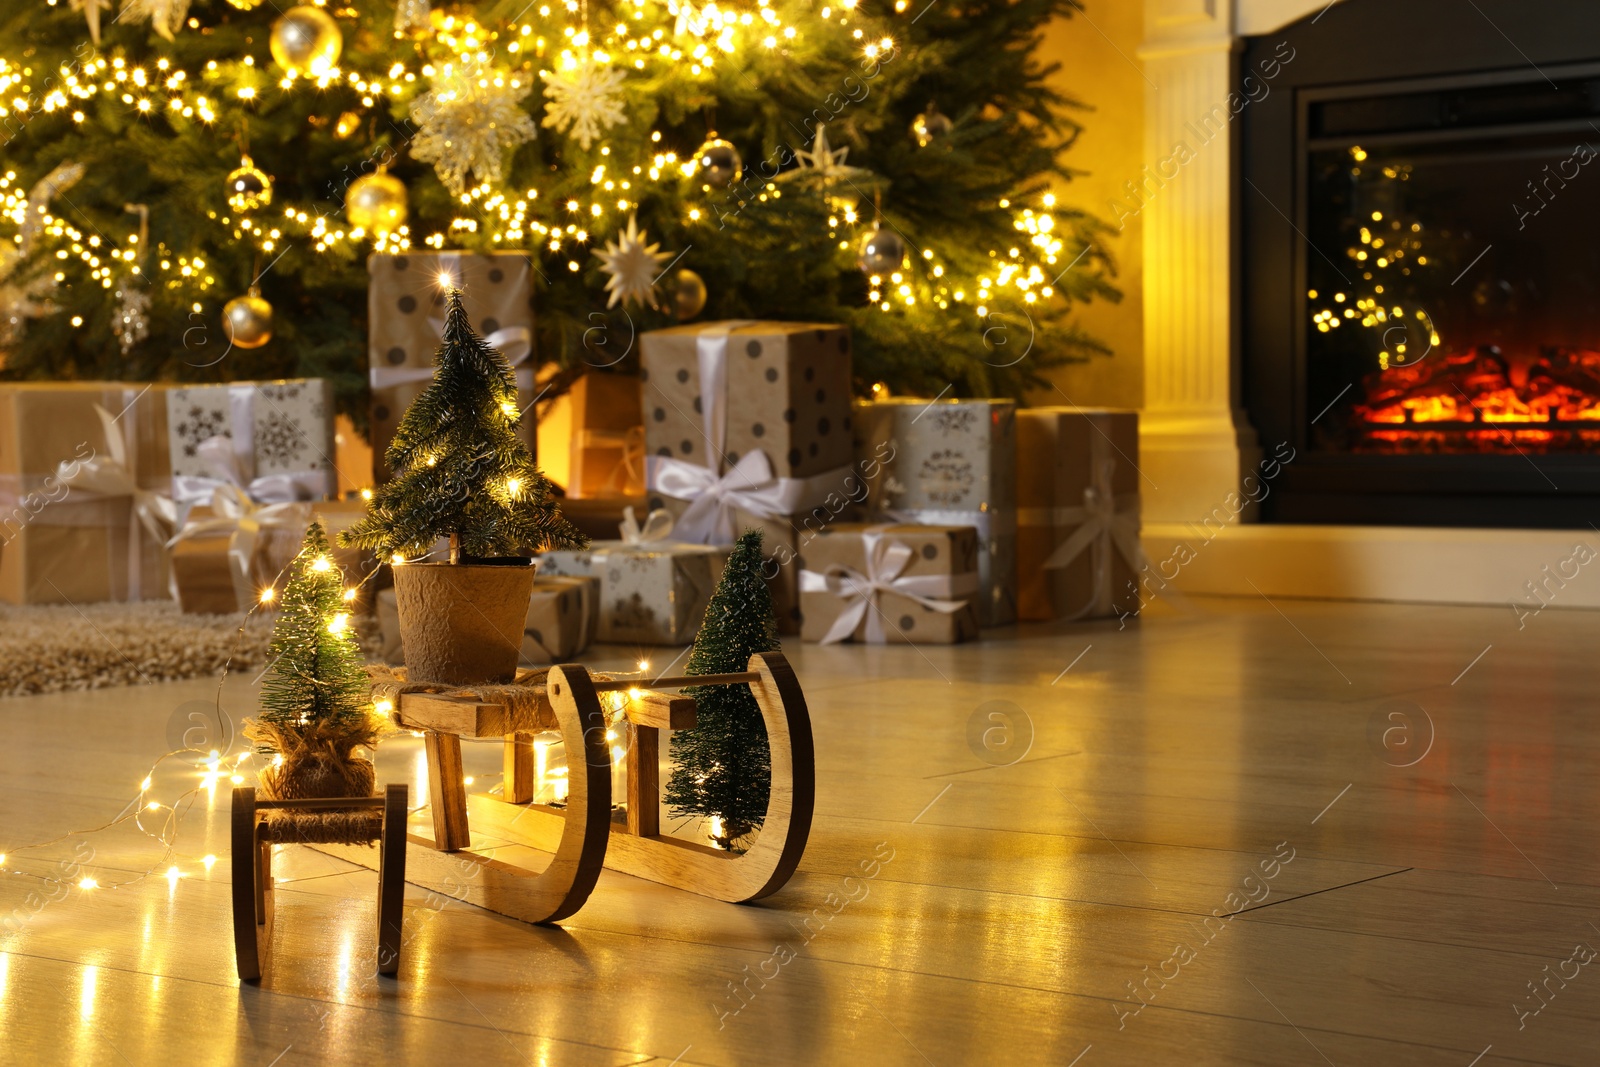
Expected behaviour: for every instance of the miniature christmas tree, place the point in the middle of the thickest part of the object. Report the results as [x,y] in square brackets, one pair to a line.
[314,702]
[723,768]
[460,470]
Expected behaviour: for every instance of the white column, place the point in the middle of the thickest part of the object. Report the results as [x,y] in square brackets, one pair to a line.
[1192,437]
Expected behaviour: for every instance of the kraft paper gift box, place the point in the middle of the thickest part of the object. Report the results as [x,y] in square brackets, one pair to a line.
[405,323]
[228,552]
[1078,552]
[894,584]
[563,616]
[747,424]
[273,439]
[607,437]
[651,592]
[948,463]
[84,470]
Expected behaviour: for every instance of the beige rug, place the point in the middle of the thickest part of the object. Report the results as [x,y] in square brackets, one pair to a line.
[48,649]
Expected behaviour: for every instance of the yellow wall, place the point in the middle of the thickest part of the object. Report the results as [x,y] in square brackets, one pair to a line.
[1100,68]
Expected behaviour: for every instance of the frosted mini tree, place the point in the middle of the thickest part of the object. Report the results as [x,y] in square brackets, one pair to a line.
[461,471]
[314,710]
[722,768]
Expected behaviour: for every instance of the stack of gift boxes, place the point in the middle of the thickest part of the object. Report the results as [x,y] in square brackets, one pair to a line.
[123,491]
[902,520]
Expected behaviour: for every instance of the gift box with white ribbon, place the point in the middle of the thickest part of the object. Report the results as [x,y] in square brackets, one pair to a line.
[271,440]
[653,589]
[405,325]
[747,424]
[84,473]
[1078,552]
[948,463]
[891,584]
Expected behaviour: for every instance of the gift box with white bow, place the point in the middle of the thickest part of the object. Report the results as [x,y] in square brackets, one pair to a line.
[271,440]
[653,590]
[891,584]
[228,552]
[1078,553]
[84,470]
[747,424]
[405,325]
[948,463]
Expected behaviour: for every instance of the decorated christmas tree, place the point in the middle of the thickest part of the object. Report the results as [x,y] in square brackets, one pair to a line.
[891,166]
[314,708]
[461,471]
[722,769]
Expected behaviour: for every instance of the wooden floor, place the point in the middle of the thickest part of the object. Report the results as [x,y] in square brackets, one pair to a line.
[1291,833]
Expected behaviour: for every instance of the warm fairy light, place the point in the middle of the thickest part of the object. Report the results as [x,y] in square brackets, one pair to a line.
[144,785]
[153,805]
[88,883]
[277,760]
[366,494]
[322,563]
[383,707]
[513,486]
[397,558]
[509,409]
[237,779]
[635,694]
[173,874]
[644,665]
[445,281]
[468,780]
[349,594]
[267,594]
[338,623]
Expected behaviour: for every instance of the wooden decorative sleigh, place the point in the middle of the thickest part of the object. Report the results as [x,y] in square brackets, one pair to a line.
[474,847]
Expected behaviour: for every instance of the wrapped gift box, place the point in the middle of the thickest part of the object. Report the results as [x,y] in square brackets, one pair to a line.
[1078,551]
[225,557]
[652,593]
[761,410]
[405,320]
[83,516]
[563,616]
[607,437]
[895,584]
[280,435]
[600,517]
[948,463]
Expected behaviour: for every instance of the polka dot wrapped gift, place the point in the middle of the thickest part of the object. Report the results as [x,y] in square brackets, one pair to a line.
[748,425]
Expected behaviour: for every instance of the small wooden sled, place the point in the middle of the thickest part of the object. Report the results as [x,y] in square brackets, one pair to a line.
[301,821]
[462,857]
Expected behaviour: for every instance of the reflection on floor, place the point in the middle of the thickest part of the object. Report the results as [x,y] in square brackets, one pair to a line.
[1257,833]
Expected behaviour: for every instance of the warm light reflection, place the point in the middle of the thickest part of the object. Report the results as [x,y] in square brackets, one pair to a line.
[91,977]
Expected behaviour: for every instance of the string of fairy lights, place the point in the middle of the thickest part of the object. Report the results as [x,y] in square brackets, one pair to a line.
[236,767]
[551,41]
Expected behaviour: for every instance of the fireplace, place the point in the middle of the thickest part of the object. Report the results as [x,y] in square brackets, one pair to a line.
[1420,264]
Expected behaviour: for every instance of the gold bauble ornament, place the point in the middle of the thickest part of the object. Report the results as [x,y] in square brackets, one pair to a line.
[248,188]
[245,5]
[306,40]
[376,202]
[247,320]
[930,125]
[688,295]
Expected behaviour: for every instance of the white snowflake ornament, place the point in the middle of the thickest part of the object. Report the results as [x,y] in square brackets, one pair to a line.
[583,102]
[633,265]
[470,117]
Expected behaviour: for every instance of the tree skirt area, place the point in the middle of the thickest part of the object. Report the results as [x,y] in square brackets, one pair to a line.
[51,648]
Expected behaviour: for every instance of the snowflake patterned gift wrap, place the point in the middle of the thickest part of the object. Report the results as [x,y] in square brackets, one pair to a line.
[949,463]
[405,321]
[747,424]
[274,440]
[651,593]
[83,478]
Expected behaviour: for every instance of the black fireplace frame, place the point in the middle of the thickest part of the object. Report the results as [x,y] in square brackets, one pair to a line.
[1353,49]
